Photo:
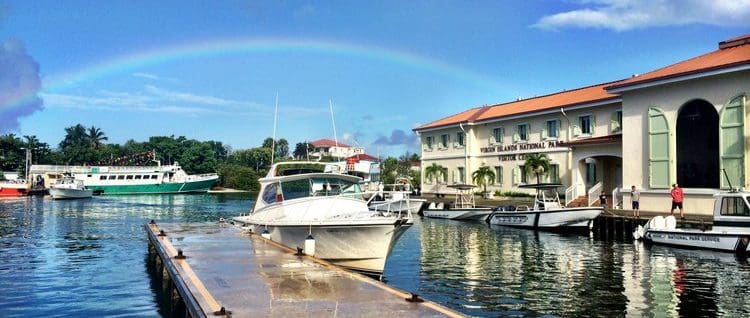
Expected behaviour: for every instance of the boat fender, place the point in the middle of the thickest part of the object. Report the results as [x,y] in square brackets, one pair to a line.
[265,234]
[310,245]
[638,233]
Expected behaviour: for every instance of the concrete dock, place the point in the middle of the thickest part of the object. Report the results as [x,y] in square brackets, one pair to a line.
[218,270]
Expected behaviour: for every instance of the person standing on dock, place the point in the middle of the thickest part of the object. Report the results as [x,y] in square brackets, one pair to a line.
[635,198]
[677,200]
[603,200]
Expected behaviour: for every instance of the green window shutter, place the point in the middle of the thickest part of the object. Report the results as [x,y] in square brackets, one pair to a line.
[516,175]
[658,143]
[559,124]
[592,124]
[502,135]
[492,137]
[732,142]
[544,130]
[515,136]
[614,125]
[576,130]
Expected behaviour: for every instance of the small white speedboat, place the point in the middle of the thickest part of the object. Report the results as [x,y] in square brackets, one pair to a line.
[546,212]
[396,198]
[69,188]
[463,207]
[730,230]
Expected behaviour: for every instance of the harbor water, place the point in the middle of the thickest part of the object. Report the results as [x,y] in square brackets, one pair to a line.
[89,258]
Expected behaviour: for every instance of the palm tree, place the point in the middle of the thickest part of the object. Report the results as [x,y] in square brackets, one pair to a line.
[538,164]
[434,171]
[95,137]
[483,176]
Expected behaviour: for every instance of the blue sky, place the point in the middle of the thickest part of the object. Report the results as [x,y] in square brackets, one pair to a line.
[210,70]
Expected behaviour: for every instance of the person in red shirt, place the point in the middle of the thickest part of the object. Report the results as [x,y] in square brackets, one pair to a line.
[677,200]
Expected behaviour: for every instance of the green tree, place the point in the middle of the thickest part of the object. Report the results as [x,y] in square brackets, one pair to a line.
[238,177]
[95,137]
[538,164]
[483,176]
[75,146]
[301,149]
[435,171]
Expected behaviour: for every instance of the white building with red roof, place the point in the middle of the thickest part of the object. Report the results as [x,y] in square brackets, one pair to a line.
[332,148]
[682,124]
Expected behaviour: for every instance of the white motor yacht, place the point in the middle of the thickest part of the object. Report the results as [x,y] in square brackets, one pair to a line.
[69,188]
[546,212]
[301,200]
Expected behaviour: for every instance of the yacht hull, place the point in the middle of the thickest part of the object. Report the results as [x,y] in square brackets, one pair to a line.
[553,218]
[458,214]
[59,194]
[398,206]
[713,240]
[362,247]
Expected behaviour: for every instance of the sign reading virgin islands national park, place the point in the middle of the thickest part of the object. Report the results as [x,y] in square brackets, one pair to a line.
[509,152]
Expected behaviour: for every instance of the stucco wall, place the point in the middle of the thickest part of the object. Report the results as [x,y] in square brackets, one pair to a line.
[717,90]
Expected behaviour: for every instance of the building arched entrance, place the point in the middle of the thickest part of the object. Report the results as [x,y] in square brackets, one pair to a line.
[698,145]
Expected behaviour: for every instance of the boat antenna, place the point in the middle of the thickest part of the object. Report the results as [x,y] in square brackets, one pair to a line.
[273,138]
[731,189]
[335,137]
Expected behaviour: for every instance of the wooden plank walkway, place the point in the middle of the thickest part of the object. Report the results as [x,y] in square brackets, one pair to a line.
[247,275]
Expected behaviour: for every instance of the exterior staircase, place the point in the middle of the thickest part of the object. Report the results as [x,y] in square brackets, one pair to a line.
[579,202]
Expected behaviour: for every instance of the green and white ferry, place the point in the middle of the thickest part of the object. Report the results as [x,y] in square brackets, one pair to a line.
[129,179]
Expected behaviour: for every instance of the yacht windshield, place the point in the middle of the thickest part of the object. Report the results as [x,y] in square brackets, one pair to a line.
[319,187]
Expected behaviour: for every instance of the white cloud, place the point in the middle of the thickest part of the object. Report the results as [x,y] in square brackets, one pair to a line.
[146,75]
[152,99]
[623,15]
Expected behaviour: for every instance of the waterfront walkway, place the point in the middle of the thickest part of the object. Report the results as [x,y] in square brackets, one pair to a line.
[228,272]
[690,218]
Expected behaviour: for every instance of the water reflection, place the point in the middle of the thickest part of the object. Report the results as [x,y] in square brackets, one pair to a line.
[491,271]
[89,258]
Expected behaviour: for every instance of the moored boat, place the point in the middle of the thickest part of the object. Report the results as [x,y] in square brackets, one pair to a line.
[69,188]
[729,232]
[546,212]
[463,207]
[396,198]
[300,200]
[132,179]
[14,188]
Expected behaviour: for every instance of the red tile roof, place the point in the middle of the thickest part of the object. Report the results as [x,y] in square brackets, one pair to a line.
[363,156]
[732,52]
[569,98]
[327,143]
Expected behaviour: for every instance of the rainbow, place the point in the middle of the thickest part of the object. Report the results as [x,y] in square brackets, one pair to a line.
[196,50]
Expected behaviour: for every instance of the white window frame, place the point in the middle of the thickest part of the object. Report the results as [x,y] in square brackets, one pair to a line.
[429,143]
[518,133]
[590,126]
[460,140]
[445,140]
[494,140]
[549,132]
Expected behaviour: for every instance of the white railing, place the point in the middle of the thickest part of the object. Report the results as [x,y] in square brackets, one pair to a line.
[595,192]
[616,198]
[570,194]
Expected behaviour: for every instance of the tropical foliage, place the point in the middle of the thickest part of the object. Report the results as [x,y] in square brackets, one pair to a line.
[393,168]
[239,169]
[435,171]
[483,176]
[538,164]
